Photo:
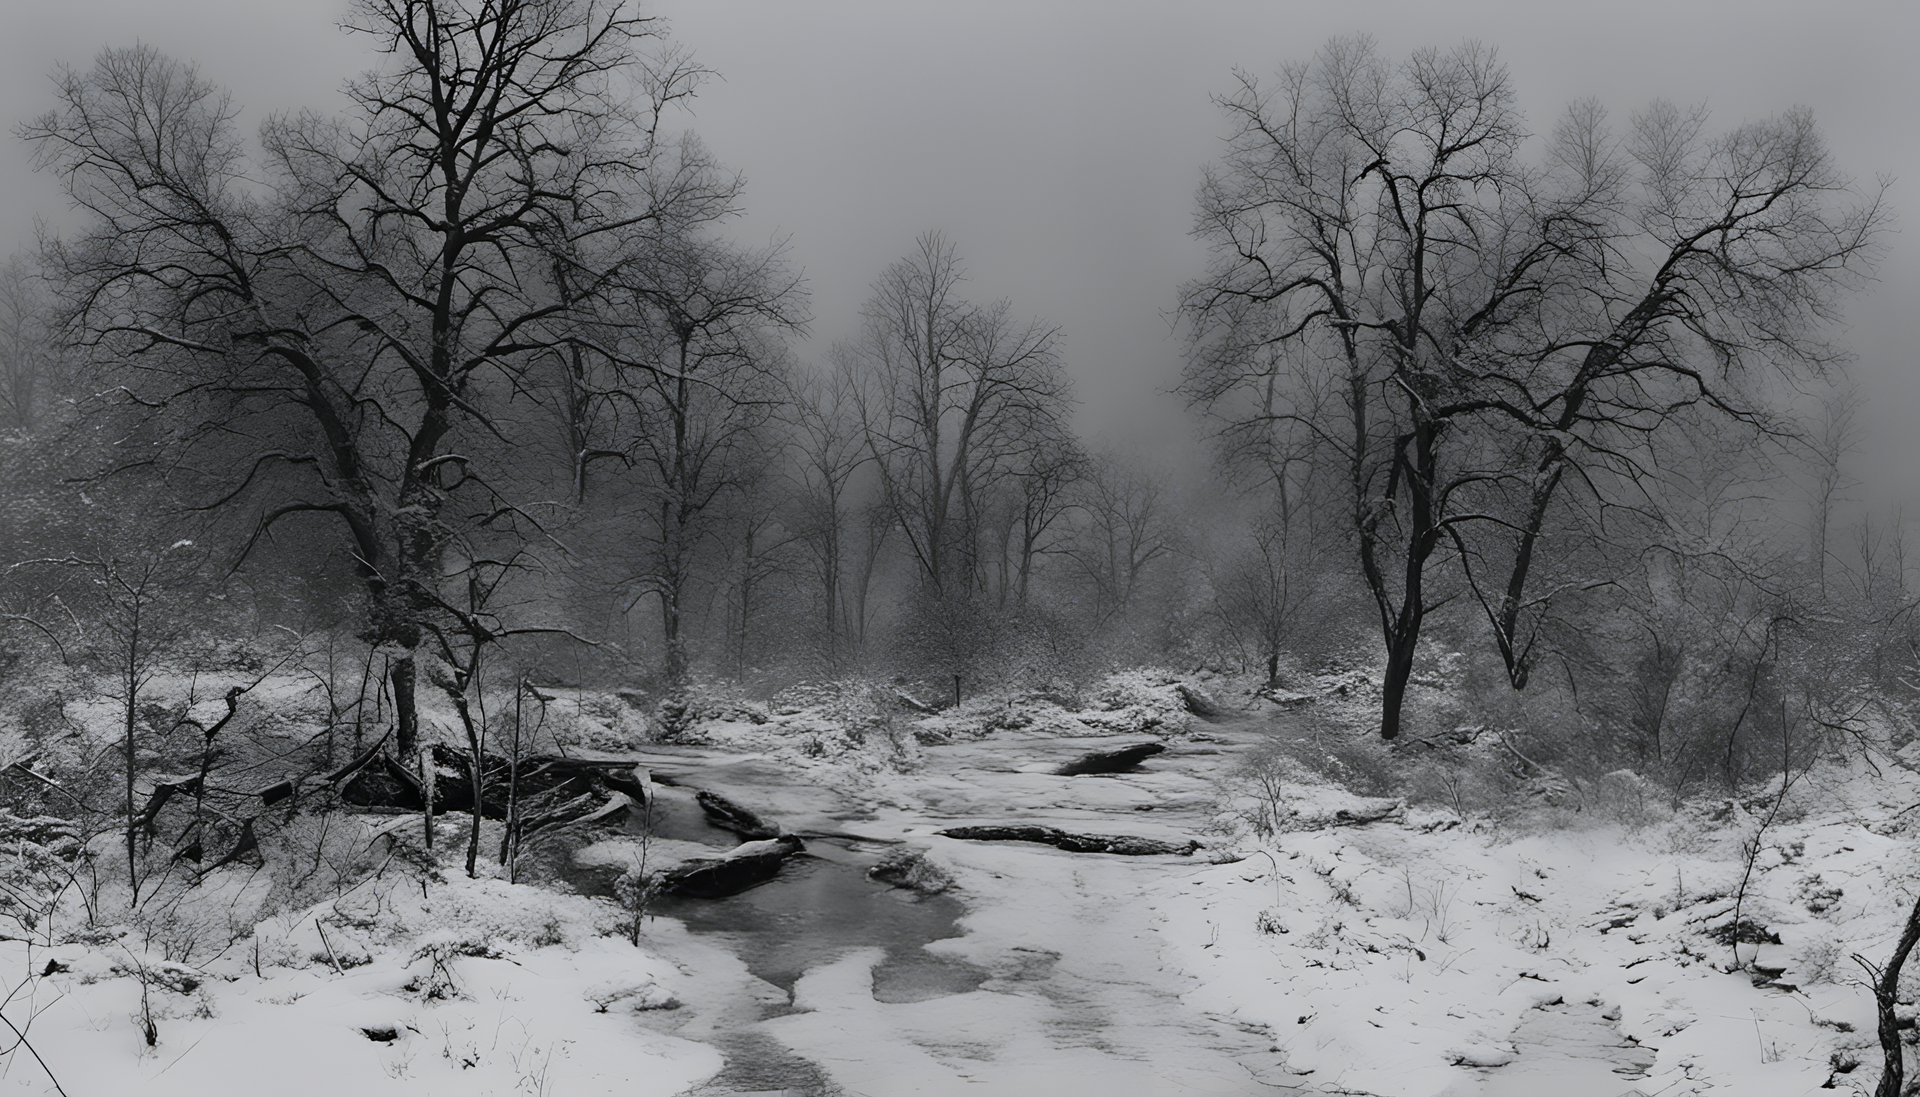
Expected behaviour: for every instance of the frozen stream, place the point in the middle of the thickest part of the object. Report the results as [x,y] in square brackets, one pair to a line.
[1042,973]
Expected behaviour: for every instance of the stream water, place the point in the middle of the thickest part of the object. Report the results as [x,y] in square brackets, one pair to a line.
[1119,1023]
[820,907]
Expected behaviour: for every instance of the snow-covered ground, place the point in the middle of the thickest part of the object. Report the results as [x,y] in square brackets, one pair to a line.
[475,986]
[1416,954]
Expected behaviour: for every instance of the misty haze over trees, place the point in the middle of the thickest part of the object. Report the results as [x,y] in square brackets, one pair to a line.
[1530,419]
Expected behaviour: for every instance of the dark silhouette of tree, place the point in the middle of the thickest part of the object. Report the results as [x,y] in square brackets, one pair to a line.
[28,347]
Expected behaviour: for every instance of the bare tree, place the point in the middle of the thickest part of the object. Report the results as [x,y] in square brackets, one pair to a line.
[758,558]
[830,450]
[1124,528]
[1833,436]
[128,595]
[1265,581]
[1505,339]
[27,344]
[954,394]
[1034,509]
[705,316]
[319,333]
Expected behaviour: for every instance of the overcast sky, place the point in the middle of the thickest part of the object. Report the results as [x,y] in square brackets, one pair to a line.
[1059,143]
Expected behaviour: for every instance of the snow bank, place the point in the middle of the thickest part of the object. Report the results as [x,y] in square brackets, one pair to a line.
[1402,957]
[402,984]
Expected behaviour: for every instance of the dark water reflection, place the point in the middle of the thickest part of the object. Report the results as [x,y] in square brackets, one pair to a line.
[676,814]
[821,907]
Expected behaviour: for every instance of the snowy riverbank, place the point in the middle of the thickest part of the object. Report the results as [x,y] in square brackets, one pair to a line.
[1415,953]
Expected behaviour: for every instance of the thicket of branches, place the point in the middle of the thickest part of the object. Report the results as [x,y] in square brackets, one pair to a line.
[1514,363]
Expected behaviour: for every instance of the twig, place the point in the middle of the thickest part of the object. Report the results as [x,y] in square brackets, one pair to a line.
[331,956]
[24,767]
[1276,876]
[28,1044]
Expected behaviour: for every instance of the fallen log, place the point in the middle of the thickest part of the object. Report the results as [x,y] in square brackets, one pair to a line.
[1125,845]
[1110,761]
[248,842]
[163,791]
[914,703]
[383,783]
[1370,814]
[744,866]
[377,780]
[727,815]
[580,810]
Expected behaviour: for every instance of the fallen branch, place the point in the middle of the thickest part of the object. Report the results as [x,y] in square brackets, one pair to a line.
[1122,844]
[1345,818]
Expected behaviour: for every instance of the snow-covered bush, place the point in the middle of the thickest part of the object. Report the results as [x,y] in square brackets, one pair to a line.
[1143,699]
[592,719]
[1626,798]
[1472,783]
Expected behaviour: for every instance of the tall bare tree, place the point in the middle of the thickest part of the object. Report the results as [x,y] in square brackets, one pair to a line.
[1034,513]
[1835,434]
[954,395]
[1506,338]
[1125,527]
[320,332]
[705,317]
[1273,582]
[830,451]
[27,344]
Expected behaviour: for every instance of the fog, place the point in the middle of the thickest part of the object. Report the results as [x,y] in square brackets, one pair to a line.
[1059,144]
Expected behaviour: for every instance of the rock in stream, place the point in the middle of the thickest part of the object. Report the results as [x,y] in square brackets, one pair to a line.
[727,815]
[742,867]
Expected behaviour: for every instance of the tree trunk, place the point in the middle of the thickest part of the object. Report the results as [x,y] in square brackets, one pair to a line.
[406,714]
[746,604]
[1886,989]
[830,580]
[670,633]
[476,780]
[1393,684]
[132,713]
